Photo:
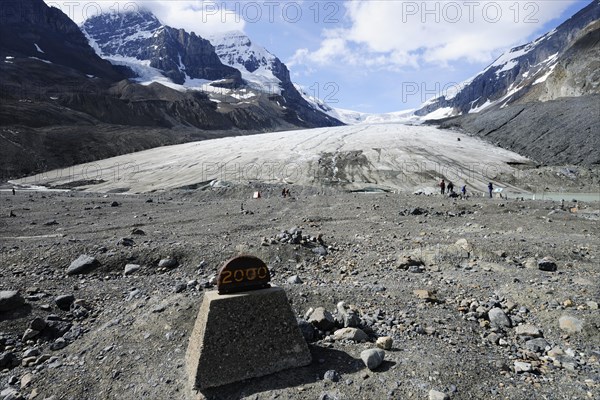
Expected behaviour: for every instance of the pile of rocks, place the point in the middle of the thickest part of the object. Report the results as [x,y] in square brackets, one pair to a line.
[348,326]
[295,236]
[292,236]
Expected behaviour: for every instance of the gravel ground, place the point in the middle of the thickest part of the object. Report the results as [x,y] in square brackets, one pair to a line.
[125,336]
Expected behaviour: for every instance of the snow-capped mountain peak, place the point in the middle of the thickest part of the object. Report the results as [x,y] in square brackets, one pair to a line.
[260,68]
[517,74]
[114,32]
[140,41]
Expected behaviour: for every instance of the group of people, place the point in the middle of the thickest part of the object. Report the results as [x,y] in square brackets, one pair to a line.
[463,190]
[449,188]
[285,192]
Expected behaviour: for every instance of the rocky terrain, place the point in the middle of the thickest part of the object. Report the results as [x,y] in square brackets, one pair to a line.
[468,298]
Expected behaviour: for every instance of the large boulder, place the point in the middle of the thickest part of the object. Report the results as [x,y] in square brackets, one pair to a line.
[353,334]
[322,319]
[372,358]
[82,265]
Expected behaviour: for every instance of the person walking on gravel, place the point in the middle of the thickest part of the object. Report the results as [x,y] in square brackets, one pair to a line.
[463,190]
[490,189]
[443,186]
[450,187]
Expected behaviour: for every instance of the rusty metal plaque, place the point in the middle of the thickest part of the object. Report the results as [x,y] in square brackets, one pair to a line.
[242,274]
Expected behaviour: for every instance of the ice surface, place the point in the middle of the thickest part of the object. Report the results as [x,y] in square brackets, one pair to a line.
[390,156]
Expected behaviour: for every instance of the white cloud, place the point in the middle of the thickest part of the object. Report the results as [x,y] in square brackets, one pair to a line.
[200,16]
[396,34]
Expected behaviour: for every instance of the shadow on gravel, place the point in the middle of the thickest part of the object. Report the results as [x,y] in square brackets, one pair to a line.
[21,312]
[323,359]
[385,366]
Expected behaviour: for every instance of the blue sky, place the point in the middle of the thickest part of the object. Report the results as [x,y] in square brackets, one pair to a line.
[373,56]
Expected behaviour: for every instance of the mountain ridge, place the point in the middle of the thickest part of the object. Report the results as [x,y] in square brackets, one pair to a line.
[62,103]
[514,75]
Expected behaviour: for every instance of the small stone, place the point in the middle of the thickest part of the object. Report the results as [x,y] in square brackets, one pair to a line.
[56,328]
[354,334]
[167,263]
[294,280]
[592,305]
[51,222]
[127,242]
[435,395]
[537,345]
[464,244]
[384,342]
[10,300]
[322,319]
[308,330]
[493,338]
[192,284]
[500,253]
[416,269]
[115,204]
[8,360]
[131,268]
[137,231]
[64,301]
[34,352]
[83,264]
[522,366]
[498,318]
[528,330]
[372,358]
[407,261]
[10,393]
[570,366]
[555,352]
[58,344]
[28,361]
[547,264]
[568,303]
[180,287]
[26,380]
[332,375]
[349,315]
[320,251]
[37,324]
[570,324]
[425,295]
[29,334]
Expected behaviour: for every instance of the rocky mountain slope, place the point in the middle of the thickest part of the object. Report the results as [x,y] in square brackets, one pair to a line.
[540,100]
[132,37]
[264,71]
[557,132]
[562,63]
[190,63]
[31,30]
